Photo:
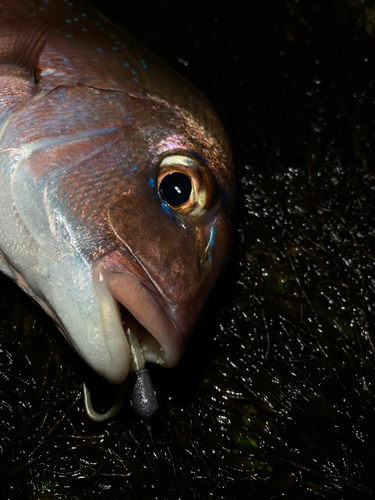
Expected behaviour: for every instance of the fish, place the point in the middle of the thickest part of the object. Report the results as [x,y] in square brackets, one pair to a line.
[117,186]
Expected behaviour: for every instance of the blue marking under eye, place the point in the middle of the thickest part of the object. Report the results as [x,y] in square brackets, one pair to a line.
[100,50]
[69,36]
[83,14]
[75,19]
[211,242]
[134,72]
[114,48]
[137,81]
[166,208]
[68,21]
[126,64]
[112,35]
[84,29]
[152,182]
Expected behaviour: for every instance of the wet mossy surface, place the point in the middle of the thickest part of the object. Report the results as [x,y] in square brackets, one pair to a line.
[274,397]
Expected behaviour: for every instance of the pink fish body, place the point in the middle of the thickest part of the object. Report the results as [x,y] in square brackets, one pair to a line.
[115,186]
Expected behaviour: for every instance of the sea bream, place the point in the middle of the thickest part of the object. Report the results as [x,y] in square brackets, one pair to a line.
[116,186]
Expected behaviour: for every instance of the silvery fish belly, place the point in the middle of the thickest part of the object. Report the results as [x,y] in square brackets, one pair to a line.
[116,186]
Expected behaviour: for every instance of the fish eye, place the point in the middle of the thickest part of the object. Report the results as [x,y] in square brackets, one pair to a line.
[186,184]
[175,188]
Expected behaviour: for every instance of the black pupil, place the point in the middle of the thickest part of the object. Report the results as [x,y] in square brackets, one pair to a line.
[175,189]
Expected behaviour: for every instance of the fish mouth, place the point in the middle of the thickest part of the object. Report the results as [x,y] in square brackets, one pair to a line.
[138,314]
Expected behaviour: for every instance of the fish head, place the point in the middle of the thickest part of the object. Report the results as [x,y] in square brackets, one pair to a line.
[126,198]
[169,229]
[172,243]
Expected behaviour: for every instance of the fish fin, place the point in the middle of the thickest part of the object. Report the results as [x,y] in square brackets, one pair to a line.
[20,48]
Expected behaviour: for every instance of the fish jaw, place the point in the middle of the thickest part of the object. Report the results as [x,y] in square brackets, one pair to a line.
[148,319]
[118,355]
[99,337]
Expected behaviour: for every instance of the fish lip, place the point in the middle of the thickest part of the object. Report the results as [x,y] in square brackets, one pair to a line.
[162,342]
[155,320]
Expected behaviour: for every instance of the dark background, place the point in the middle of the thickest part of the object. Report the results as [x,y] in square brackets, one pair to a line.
[275,396]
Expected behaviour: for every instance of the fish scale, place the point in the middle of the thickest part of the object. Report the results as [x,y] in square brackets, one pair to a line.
[91,124]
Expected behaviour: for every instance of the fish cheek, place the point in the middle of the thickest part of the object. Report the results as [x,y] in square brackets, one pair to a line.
[182,256]
[163,245]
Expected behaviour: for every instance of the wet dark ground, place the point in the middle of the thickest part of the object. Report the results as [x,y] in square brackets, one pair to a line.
[275,395]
